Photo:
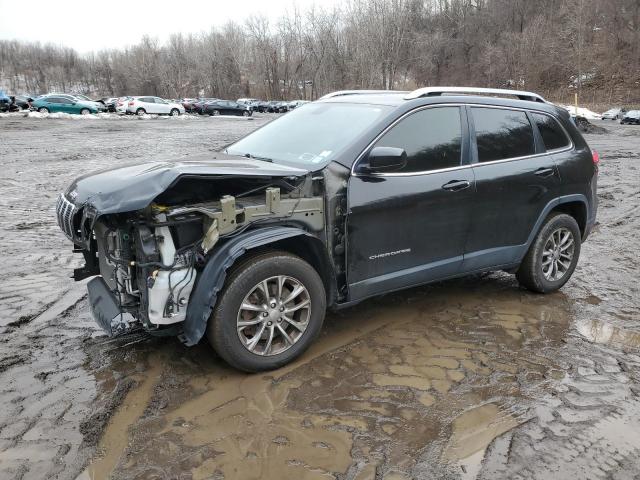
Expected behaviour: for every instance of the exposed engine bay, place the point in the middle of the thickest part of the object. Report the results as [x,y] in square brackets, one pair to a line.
[156,236]
[150,259]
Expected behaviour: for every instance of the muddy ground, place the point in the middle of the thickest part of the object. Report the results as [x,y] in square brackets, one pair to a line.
[472,378]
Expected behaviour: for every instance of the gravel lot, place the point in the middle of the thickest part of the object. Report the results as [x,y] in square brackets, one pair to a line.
[472,378]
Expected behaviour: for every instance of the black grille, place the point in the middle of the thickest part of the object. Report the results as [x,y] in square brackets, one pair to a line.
[65,211]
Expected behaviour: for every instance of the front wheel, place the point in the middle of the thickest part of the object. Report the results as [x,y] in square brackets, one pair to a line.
[174,112]
[85,111]
[553,255]
[271,309]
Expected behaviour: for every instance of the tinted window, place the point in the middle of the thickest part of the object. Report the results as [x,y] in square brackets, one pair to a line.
[552,134]
[54,100]
[502,134]
[146,100]
[432,139]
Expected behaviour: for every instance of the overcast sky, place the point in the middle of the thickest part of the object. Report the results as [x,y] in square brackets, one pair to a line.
[96,24]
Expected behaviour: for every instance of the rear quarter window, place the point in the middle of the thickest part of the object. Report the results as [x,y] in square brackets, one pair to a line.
[502,134]
[551,132]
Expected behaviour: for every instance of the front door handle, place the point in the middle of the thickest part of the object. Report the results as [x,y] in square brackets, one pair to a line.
[456,185]
[544,172]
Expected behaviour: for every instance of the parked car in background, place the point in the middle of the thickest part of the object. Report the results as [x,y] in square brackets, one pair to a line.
[121,104]
[188,104]
[109,103]
[198,107]
[631,117]
[5,101]
[64,104]
[21,102]
[226,107]
[614,114]
[153,105]
[249,102]
[277,106]
[261,106]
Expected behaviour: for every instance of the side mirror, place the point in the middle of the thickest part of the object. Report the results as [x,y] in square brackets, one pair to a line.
[385,159]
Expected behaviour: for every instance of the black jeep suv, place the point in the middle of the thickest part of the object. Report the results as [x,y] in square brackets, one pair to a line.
[354,195]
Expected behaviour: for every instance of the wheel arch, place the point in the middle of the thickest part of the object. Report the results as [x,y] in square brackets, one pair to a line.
[576,209]
[571,204]
[212,278]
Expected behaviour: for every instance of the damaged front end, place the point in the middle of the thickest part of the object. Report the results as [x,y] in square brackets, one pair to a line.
[150,236]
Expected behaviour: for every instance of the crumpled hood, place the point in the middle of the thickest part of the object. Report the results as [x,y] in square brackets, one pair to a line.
[134,186]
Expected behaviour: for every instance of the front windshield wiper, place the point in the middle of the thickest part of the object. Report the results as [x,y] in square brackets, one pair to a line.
[255,157]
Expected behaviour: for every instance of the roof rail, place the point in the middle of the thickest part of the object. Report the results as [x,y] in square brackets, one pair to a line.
[341,93]
[437,91]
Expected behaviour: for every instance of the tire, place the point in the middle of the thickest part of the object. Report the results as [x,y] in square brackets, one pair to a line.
[43,110]
[242,287]
[141,111]
[174,112]
[215,113]
[85,111]
[531,274]
[246,113]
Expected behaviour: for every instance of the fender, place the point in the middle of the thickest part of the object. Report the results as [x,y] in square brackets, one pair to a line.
[212,278]
[578,197]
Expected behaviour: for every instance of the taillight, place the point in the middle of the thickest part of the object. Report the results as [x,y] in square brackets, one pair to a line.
[131,104]
[596,157]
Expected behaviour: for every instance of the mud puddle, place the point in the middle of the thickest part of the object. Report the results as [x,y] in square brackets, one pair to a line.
[388,382]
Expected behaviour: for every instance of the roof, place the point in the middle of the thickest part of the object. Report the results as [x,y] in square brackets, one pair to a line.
[443,94]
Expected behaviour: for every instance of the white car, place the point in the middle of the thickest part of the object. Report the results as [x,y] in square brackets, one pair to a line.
[122,103]
[156,105]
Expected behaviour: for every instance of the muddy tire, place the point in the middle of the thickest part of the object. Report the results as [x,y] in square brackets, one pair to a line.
[553,255]
[253,330]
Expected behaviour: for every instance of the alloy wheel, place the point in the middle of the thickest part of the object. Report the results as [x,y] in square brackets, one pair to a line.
[557,254]
[274,315]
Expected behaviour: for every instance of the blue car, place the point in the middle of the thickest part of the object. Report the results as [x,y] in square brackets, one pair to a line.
[65,104]
[5,101]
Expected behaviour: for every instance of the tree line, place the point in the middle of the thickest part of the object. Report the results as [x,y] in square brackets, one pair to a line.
[555,47]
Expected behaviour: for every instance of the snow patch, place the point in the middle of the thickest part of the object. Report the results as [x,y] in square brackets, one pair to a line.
[583,112]
[117,116]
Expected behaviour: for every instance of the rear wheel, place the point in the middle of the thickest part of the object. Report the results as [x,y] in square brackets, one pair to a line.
[215,113]
[43,110]
[271,309]
[246,113]
[141,111]
[553,255]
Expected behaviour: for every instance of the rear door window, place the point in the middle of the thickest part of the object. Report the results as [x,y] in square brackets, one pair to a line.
[551,132]
[502,134]
[431,137]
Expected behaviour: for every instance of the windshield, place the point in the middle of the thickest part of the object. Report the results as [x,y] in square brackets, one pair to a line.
[310,135]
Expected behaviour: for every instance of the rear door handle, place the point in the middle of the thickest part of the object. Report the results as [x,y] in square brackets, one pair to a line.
[456,185]
[544,172]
